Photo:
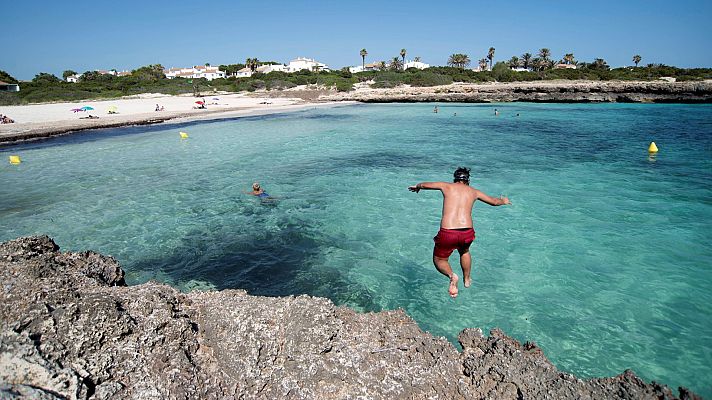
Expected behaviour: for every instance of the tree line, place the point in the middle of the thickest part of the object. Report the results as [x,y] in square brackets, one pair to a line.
[91,85]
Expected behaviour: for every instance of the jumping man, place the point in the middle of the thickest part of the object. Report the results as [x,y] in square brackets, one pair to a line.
[456,228]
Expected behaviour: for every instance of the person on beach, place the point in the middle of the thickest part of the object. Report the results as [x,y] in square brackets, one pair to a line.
[456,227]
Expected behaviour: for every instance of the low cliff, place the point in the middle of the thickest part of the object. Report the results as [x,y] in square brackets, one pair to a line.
[71,328]
[544,91]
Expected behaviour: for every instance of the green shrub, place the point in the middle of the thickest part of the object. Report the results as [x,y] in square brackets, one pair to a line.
[344,86]
[423,78]
[389,79]
[279,84]
[10,99]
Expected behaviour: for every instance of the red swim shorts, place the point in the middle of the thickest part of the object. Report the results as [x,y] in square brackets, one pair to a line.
[448,240]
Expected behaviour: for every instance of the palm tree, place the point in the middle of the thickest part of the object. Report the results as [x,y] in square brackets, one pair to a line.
[382,66]
[363,54]
[483,64]
[514,62]
[636,59]
[402,54]
[396,64]
[600,63]
[537,64]
[544,54]
[569,58]
[490,56]
[252,63]
[526,60]
[458,60]
[417,59]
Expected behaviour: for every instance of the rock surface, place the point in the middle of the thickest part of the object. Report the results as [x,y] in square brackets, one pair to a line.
[70,328]
[544,91]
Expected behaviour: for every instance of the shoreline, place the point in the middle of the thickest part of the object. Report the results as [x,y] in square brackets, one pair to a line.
[45,120]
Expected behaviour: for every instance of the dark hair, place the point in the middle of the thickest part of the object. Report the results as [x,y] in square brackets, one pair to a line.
[462,174]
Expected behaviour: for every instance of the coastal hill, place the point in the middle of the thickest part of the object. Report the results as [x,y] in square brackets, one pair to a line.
[72,329]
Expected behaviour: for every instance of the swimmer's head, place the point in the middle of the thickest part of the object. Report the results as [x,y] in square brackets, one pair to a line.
[256,186]
[462,174]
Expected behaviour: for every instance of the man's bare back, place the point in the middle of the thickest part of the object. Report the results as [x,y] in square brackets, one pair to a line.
[456,227]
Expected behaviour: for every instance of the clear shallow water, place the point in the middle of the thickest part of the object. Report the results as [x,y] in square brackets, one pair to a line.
[604,259]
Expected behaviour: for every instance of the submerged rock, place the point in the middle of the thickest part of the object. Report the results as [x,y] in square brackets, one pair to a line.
[70,328]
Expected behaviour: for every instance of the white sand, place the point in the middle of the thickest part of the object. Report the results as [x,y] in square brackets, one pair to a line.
[141,104]
[42,120]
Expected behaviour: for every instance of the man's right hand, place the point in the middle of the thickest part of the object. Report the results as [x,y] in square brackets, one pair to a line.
[505,200]
[415,188]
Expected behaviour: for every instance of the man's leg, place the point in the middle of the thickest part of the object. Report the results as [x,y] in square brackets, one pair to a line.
[443,266]
[466,264]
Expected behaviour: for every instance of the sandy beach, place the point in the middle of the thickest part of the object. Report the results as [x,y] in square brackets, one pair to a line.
[37,121]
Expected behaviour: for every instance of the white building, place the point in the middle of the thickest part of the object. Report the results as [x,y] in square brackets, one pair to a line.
[243,73]
[365,67]
[301,63]
[564,66]
[197,72]
[416,64]
[73,78]
[266,69]
[9,87]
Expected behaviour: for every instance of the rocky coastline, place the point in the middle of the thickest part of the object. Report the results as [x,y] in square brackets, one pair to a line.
[542,92]
[70,328]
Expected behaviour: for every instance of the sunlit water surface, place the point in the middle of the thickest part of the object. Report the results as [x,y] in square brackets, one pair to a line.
[604,259]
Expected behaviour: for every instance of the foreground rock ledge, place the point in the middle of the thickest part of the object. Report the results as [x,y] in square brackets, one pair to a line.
[72,329]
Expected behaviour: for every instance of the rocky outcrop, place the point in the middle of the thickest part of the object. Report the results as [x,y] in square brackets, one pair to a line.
[545,91]
[70,328]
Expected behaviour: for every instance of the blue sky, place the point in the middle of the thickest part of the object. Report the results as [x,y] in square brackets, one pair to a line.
[52,36]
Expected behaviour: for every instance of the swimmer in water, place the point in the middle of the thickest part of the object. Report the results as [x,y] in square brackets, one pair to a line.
[258,191]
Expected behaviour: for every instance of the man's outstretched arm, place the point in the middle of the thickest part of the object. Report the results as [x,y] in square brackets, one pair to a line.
[427,186]
[493,201]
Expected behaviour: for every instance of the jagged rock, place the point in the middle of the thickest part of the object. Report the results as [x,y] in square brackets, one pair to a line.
[70,328]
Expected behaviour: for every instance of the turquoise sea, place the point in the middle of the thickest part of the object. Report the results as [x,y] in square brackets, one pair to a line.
[604,258]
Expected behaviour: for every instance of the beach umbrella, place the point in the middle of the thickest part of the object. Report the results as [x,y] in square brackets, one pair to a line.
[215,98]
[87,108]
[76,110]
[199,102]
[111,109]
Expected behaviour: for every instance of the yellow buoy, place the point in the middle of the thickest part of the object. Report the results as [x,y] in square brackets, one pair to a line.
[652,148]
[183,135]
[15,160]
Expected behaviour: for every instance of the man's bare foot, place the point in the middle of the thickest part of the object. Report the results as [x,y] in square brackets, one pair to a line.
[468,281]
[453,285]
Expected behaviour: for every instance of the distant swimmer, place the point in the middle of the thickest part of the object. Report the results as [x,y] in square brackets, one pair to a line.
[435,110]
[258,191]
[496,112]
[456,227]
